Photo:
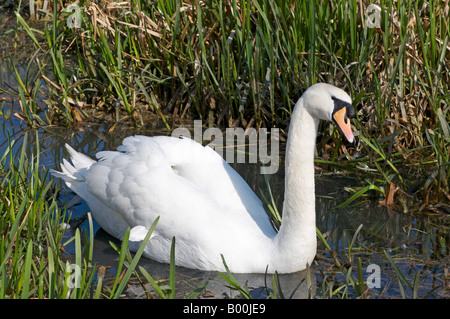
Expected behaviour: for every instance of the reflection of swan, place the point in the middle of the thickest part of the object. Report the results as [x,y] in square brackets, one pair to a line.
[203,202]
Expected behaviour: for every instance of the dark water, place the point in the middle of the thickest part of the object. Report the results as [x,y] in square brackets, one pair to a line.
[418,244]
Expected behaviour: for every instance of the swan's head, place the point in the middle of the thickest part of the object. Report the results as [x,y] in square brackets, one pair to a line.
[327,102]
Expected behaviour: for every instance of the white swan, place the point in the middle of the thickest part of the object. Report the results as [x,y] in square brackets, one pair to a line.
[203,202]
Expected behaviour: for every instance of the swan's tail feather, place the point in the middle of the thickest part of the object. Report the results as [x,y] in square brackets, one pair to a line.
[73,173]
[79,160]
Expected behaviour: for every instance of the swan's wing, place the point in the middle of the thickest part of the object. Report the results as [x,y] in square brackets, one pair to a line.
[138,183]
[177,179]
[206,169]
[202,167]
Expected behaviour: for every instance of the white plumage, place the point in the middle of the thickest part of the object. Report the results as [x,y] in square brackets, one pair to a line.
[202,201]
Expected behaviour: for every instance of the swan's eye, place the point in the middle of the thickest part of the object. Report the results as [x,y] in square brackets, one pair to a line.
[339,104]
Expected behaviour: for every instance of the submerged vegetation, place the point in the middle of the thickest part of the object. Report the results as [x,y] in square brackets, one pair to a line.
[231,63]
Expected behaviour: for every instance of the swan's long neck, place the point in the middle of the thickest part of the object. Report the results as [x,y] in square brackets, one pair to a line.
[295,242]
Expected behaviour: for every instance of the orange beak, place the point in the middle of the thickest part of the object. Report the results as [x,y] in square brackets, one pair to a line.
[341,119]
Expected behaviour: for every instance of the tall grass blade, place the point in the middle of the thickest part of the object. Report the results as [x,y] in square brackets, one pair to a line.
[229,278]
[397,270]
[172,270]
[154,284]
[27,271]
[135,260]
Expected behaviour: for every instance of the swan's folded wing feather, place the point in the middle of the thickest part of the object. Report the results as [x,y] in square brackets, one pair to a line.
[198,168]
[206,169]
